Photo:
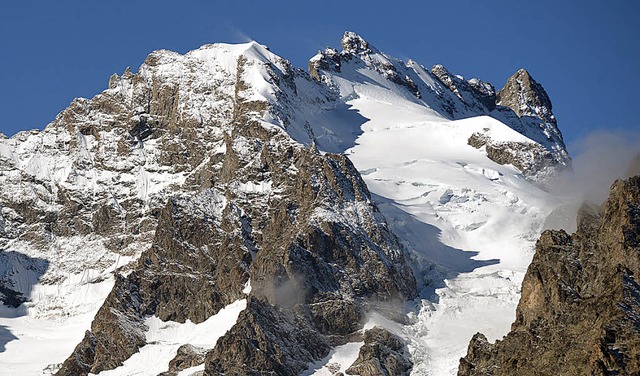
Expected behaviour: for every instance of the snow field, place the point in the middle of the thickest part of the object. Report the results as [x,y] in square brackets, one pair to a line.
[449,205]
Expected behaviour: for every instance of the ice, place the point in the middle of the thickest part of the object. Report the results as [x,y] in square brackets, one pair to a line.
[338,360]
[247,287]
[32,344]
[251,187]
[451,205]
[192,371]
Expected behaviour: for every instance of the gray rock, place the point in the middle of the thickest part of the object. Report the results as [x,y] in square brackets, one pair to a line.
[580,304]
[187,356]
[535,162]
[526,97]
[383,354]
[354,44]
[479,95]
[329,60]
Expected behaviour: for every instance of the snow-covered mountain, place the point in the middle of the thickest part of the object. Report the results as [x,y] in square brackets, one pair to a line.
[210,192]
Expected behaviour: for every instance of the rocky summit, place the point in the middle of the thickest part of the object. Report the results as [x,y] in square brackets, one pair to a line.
[223,212]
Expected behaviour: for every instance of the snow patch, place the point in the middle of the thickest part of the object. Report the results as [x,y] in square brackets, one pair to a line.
[165,337]
[339,360]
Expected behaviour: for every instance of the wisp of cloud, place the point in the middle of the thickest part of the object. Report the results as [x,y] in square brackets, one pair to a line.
[598,160]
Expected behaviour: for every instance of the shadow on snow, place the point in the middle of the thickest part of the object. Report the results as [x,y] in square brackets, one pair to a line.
[18,274]
[431,260]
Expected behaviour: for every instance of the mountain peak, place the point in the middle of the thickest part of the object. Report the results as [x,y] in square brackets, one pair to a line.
[355,44]
[526,97]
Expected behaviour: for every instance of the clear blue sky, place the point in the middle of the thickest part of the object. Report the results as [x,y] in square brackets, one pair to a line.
[585,53]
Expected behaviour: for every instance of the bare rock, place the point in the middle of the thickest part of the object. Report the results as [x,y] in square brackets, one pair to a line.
[329,60]
[535,162]
[477,94]
[188,356]
[383,354]
[355,44]
[526,97]
[578,313]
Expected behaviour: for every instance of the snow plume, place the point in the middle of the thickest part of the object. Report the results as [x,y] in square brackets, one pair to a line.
[598,160]
[241,36]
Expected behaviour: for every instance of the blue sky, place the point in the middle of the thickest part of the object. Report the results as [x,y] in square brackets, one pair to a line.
[586,54]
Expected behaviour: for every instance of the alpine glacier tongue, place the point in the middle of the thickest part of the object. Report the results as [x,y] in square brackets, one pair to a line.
[450,204]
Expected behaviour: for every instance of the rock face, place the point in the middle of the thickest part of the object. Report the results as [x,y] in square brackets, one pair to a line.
[525,106]
[298,225]
[536,162]
[580,302]
[329,60]
[526,97]
[383,354]
[188,356]
[474,92]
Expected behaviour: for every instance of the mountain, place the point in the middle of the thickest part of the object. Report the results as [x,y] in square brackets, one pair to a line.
[580,307]
[225,212]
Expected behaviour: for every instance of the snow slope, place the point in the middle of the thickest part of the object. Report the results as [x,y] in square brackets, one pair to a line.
[450,205]
[445,199]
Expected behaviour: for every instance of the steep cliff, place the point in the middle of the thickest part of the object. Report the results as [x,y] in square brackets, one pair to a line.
[580,306]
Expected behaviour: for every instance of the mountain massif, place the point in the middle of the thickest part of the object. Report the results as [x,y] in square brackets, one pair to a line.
[223,212]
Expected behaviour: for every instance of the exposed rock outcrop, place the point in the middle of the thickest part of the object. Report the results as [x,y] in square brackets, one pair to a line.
[580,306]
[188,356]
[526,97]
[329,60]
[475,93]
[353,43]
[524,105]
[383,354]
[534,161]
